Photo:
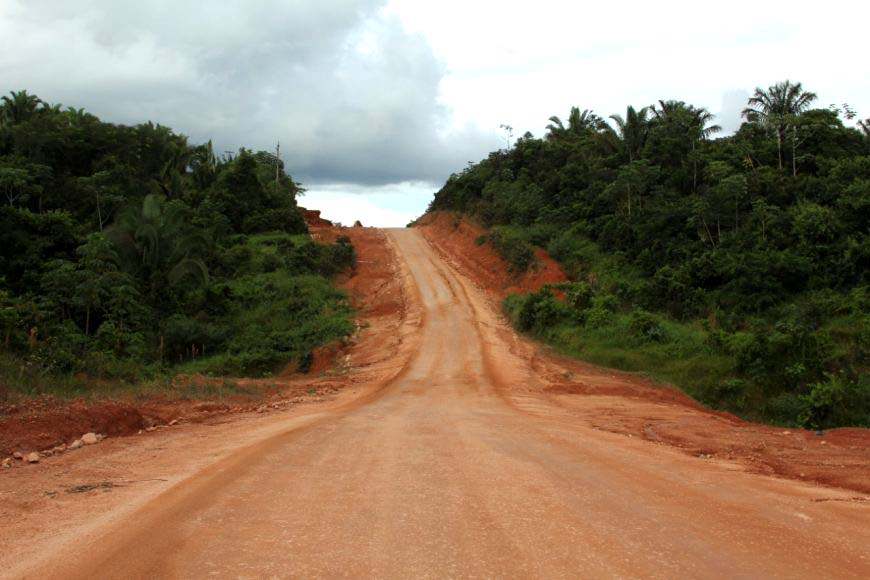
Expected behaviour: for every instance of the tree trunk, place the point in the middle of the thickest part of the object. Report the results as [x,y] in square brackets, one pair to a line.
[99,212]
[779,132]
[794,151]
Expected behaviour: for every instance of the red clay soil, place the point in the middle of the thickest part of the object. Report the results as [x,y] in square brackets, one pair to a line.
[632,405]
[455,236]
[313,220]
[43,423]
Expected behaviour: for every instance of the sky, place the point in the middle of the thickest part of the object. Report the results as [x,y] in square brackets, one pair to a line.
[376,102]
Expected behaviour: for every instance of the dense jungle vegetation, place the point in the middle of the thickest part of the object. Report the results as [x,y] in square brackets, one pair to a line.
[735,267]
[127,252]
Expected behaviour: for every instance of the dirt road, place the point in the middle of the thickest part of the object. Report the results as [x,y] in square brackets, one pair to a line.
[456,469]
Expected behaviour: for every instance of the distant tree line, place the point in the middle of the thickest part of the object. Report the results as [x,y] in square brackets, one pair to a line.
[126,246]
[760,236]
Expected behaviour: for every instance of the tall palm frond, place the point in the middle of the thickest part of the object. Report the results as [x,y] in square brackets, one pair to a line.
[775,106]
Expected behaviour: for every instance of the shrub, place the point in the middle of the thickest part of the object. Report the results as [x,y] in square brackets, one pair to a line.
[578,296]
[535,311]
[835,401]
[646,327]
[598,317]
[513,247]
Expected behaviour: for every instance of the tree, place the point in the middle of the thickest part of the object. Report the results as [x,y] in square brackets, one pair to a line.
[18,107]
[632,130]
[579,122]
[689,122]
[776,106]
[157,245]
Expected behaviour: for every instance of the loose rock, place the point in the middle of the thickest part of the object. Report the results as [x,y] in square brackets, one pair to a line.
[32,457]
[7,463]
[89,438]
[18,455]
[76,444]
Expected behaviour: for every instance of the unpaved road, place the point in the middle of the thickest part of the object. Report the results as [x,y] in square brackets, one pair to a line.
[444,472]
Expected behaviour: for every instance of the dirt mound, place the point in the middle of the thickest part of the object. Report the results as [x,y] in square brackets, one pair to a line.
[313,220]
[455,236]
[49,422]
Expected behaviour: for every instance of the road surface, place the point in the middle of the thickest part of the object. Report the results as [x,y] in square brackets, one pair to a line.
[440,474]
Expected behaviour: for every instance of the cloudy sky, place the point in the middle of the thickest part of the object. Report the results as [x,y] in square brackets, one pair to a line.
[376,102]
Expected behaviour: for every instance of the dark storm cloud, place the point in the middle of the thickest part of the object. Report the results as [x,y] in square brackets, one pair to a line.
[351,96]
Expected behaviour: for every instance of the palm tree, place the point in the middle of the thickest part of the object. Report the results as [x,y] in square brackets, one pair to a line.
[775,106]
[701,130]
[579,122]
[671,110]
[697,125]
[76,117]
[178,156]
[155,245]
[18,107]
[632,130]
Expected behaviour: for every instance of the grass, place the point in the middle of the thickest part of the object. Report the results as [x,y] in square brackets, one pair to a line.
[20,380]
[684,360]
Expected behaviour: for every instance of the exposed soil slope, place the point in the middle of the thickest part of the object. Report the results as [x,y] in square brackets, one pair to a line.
[455,236]
[632,405]
[41,424]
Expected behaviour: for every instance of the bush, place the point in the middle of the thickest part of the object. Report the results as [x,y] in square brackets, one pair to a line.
[835,401]
[535,311]
[578,296]
[646,327]
[599,317]
[513,247]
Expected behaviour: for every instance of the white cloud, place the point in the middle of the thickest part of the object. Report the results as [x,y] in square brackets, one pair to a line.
[377,208]
[393,91]
[351,95]
[519,63]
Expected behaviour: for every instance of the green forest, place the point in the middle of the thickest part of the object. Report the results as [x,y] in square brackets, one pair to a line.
[127,253]
[735,267]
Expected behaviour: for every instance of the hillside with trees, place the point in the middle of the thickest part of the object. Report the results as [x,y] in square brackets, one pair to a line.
[127,252]
[735,267]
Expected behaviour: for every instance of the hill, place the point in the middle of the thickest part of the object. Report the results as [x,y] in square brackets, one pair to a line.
[128,254]
[734,267]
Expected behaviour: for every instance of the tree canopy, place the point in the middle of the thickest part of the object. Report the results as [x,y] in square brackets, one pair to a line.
[739,232]
[127,246]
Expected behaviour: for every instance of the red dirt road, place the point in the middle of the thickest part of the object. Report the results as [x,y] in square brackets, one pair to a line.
[455,458]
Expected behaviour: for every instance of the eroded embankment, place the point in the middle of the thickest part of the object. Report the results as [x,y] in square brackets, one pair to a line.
[635,406]
[47,424]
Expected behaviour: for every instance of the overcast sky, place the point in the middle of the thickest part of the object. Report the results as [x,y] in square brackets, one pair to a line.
[376,102]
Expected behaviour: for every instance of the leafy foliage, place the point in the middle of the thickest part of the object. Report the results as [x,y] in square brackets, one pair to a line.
[751,250]
[124,250]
